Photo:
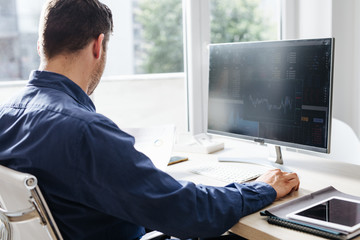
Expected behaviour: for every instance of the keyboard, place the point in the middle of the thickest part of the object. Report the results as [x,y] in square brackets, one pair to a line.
[230,173]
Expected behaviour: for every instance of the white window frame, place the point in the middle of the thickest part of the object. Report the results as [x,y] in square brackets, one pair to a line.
[196,39]
[196,15]
[299,19]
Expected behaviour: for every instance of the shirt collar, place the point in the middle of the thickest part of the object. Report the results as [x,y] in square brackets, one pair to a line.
[61,83]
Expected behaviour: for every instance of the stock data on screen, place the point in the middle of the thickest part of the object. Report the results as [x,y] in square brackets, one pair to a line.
[272,90]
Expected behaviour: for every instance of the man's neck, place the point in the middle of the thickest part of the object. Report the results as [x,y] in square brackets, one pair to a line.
[71,67]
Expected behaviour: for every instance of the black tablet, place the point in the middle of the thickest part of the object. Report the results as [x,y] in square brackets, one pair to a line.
[336,212]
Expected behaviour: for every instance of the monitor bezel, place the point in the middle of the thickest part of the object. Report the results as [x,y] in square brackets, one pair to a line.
[278,142]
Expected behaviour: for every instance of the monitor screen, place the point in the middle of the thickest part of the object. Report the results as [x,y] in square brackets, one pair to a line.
[276,92]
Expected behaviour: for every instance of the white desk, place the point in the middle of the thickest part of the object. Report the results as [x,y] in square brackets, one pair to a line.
[315,173]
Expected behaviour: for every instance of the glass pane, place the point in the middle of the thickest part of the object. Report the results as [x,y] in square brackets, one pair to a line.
[244,20]
[159,36]
[18,37]
[147,38]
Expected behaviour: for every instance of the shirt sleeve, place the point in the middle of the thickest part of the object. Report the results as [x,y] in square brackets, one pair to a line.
[131,188]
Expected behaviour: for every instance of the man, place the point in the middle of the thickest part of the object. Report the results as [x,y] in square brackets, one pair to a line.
[96,184]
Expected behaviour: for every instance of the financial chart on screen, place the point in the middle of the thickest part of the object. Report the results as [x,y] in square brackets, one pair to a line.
[277,92]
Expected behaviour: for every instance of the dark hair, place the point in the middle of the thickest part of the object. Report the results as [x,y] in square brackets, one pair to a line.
[69,25]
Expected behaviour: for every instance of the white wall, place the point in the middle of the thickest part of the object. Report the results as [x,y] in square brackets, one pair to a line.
[332,18]
[346,75]
[356,90]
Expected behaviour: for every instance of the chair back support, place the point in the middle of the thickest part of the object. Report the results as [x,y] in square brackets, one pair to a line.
[24,213]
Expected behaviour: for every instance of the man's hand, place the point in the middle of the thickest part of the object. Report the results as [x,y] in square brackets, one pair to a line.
[282,182]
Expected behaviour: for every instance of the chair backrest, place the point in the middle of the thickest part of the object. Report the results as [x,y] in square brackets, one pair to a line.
[24,213]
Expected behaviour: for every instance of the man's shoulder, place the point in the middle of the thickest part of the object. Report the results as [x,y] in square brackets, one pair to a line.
[52,108]
[80,116]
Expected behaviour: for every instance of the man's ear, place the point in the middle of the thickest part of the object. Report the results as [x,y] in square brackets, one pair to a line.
[97,47]
[38,47]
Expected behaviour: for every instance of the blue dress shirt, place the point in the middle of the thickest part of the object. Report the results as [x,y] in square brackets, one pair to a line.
[94,181]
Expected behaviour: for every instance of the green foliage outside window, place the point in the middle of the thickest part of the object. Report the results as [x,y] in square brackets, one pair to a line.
[161,47]
[239,21]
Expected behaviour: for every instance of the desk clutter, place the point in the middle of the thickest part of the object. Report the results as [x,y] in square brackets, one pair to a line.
[200,143]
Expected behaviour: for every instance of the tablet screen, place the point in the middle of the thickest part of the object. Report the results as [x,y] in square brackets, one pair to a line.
[335,210]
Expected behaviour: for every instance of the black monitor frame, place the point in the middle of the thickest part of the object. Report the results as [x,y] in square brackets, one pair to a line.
[235,49]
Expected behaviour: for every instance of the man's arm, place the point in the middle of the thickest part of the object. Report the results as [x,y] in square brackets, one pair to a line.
[132,189]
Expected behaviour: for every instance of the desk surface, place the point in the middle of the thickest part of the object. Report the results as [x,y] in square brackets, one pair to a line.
[314,172]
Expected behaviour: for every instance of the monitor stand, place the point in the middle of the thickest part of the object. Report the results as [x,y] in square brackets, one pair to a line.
[278,156]
[274,160]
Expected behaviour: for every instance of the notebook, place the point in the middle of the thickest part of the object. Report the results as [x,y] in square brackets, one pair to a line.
[282,214]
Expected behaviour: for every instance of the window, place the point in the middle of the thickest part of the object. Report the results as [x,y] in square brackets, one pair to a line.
[144,81]
[147,37]
[244,20]
[18,37]
[215,21]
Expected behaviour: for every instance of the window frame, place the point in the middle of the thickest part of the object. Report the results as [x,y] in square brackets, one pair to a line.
[196,15]
[196,38]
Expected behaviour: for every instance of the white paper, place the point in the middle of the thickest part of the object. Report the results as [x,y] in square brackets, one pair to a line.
[155,142]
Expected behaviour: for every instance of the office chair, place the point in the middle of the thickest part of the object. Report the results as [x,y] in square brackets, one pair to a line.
[24,213]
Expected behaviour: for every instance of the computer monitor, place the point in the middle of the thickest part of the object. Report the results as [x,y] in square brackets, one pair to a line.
[275,92]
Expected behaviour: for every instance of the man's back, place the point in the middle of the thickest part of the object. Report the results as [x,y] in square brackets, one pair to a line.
[95,182]
[42,132]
